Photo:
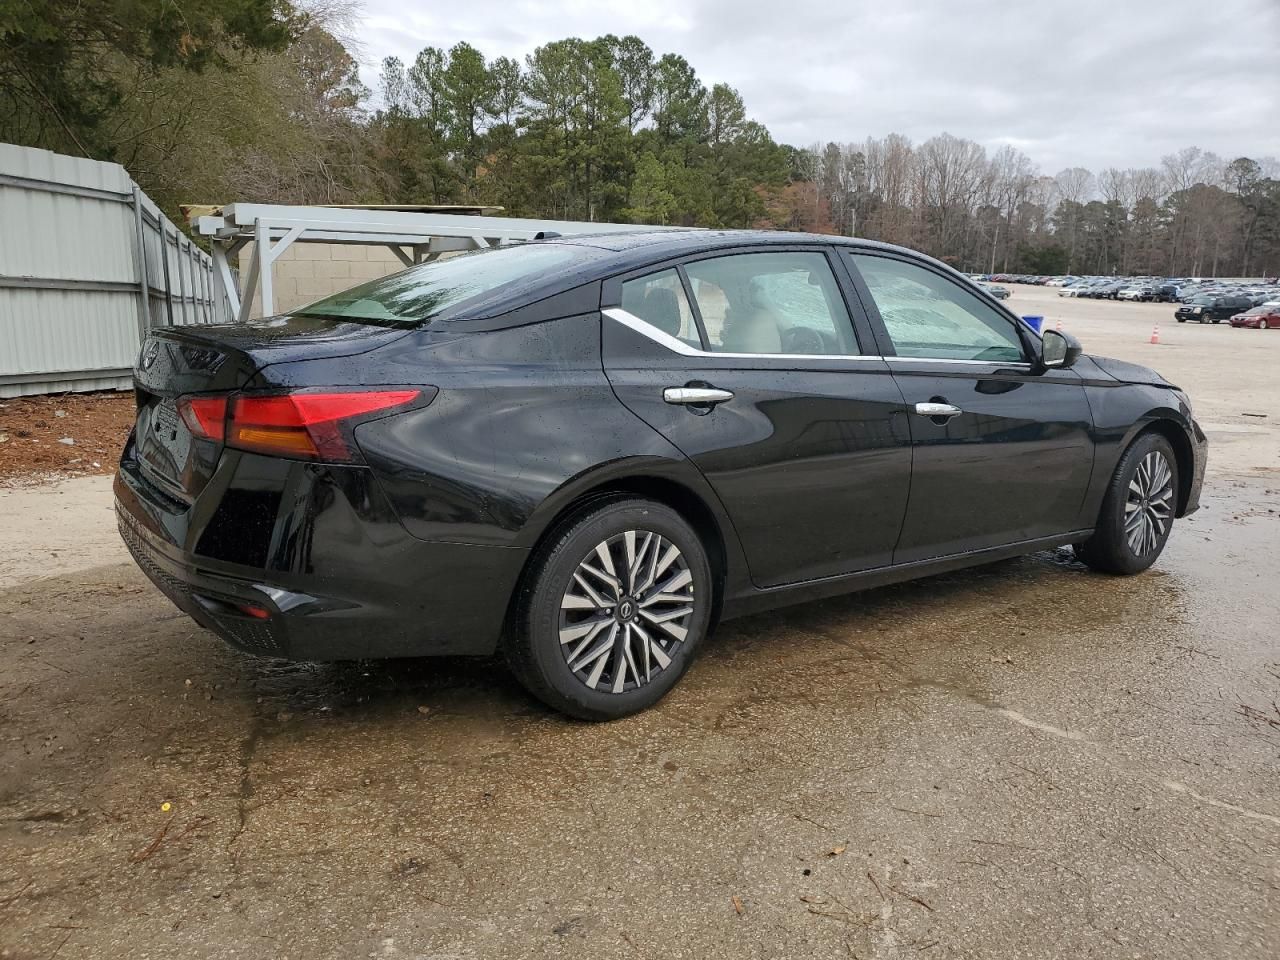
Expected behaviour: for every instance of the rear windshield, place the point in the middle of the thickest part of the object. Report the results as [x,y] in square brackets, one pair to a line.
[416,295]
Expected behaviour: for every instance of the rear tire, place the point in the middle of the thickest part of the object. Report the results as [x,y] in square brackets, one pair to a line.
[1137,511]
[597,649]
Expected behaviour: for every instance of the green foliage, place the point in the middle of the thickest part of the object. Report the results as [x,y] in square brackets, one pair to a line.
[650,201]
[1048,260]
[584,129]
[66,68]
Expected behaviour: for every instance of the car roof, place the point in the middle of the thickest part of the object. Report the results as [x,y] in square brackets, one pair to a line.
[679,241]
[626,250]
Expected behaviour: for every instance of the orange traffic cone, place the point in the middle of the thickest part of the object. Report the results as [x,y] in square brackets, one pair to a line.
[1155,333]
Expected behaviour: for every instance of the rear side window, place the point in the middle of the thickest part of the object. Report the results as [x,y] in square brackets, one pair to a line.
[928,316]
[659,299]
[772,303]
[416,295]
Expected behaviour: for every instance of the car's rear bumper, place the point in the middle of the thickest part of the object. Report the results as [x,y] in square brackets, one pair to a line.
[332,575]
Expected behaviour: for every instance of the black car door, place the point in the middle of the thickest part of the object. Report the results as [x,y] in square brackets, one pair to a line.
[1002,454]
[747,360]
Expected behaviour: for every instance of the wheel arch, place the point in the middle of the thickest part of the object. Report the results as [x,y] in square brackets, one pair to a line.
[661,481]
[1167,424]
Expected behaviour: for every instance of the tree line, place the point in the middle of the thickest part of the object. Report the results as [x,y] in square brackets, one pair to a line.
[1194,215]
[259,100]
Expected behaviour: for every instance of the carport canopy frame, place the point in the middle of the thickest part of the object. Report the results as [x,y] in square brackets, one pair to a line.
[413,237]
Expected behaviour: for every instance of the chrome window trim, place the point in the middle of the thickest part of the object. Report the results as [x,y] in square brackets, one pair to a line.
[1021,364]
[676,345]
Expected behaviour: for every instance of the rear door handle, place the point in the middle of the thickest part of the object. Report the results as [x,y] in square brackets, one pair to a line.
[696,396]
[932,409]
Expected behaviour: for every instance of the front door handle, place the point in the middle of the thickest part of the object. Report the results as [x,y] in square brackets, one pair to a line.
[697,396]
[934,409]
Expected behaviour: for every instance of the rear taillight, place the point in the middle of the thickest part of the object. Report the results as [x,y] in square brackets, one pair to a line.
[313,425]
[205,417]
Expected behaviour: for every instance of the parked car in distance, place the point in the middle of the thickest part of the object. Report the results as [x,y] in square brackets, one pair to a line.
[997,291]
[584,452]
[1210,309]
[1139,291]
[1265,317]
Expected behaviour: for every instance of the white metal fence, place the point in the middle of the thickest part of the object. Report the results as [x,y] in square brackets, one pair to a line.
[88,264]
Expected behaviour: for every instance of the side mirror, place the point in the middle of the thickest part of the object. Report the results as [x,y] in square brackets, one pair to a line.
[1058,350]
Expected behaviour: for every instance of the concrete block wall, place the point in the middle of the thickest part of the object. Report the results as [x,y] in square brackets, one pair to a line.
[308,271]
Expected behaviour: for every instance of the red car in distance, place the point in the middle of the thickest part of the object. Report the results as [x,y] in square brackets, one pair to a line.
[1265,317]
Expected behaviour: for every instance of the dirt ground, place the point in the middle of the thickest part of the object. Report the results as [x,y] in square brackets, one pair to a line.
[1022,760]
[67,435]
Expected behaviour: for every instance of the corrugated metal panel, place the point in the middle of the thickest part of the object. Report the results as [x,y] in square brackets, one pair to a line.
[67,222]
[58,235]
[77,330]
[38,164]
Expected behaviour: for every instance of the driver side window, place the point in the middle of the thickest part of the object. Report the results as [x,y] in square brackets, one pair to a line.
[929,316]
[771,303]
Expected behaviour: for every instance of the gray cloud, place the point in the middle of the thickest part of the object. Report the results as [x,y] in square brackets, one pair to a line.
[1092,83]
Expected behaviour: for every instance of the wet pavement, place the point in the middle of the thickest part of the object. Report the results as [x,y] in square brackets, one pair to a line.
[1023,760]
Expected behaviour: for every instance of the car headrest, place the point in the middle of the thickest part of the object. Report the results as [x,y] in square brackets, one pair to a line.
[662,309]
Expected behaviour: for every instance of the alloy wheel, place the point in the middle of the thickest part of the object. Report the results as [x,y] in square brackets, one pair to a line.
[1148,509]
[626,610]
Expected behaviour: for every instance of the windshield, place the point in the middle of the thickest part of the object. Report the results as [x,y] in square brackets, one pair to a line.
[416,295]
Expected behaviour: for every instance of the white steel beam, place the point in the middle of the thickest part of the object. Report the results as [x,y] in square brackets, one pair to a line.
[226,281]
[262,255]
[244,215]
[246,293]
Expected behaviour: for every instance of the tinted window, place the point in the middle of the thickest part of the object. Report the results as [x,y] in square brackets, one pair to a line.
[928,315]
[771,303]
[422,292]
[659,299]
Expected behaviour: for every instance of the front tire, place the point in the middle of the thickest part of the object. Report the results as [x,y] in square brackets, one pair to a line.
[613,607]
[1137,510]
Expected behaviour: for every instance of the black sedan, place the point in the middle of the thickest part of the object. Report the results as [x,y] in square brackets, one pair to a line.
[585,452]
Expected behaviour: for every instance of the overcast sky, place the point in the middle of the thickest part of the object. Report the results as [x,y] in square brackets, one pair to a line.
[1069,82]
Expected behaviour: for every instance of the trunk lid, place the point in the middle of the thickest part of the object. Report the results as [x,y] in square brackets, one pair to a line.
[181,361]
